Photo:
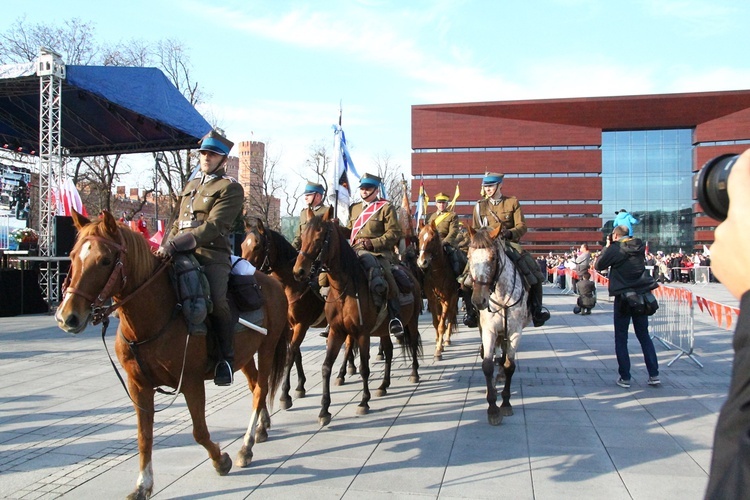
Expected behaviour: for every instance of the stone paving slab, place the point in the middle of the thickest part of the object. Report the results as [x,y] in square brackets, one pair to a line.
[67,429]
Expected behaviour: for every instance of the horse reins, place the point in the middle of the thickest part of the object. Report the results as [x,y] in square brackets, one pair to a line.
[101,314]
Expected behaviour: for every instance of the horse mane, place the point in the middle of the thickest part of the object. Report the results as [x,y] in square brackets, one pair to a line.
[139,259]
[347,256]
[285,250]
[481,239]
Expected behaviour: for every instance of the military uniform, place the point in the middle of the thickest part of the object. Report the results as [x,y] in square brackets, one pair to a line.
[209,205]
[447,225]
[505,212]
[383,229]
[303,220]
[383,233]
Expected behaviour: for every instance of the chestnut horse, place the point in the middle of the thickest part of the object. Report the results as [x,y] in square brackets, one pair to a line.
[350,309]
[440,286]
[152,343]
[500,296]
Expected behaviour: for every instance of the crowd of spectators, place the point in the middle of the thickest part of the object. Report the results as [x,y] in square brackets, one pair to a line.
[675,267]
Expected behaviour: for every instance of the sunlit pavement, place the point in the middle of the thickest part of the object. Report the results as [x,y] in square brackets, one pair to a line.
[68,429]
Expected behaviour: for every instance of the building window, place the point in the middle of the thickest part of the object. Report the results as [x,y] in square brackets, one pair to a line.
[649,173]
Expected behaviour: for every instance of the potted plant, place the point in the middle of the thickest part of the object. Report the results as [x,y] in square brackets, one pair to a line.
[25,238]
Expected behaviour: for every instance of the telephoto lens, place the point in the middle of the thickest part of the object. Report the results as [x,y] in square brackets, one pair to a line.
[710,186]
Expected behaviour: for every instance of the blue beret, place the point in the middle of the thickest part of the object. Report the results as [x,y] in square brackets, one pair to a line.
[312,188]
[490,179]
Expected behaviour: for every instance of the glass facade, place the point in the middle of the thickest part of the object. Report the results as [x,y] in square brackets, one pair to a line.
[649,173]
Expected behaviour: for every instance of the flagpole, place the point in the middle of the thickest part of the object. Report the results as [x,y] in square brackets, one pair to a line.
[336,181]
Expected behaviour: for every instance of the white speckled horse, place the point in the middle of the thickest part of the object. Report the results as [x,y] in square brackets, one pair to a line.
[499,294]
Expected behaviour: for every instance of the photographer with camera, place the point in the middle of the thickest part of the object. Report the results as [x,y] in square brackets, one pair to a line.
[626,258]
[730,464]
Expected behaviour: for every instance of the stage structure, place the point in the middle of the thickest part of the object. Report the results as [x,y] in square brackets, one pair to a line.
[57,111]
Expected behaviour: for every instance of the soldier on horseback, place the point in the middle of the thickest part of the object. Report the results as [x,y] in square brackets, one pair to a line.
[375,230]
[446,222]
[498,210]
[314,194]
[209,205]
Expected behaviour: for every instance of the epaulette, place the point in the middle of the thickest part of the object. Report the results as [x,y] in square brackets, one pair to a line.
[231,179]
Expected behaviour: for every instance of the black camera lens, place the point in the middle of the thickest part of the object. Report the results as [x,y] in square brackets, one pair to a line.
[710,186]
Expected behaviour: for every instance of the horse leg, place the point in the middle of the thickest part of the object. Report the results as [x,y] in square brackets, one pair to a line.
[352,370]
[332,350]
[509,367]
[348,355]
[412,330]
[195,396]
[364,370]
[488,367]
[144,411]
[285,399]
[386,347]
[260,421]
[300,391]
[438,324]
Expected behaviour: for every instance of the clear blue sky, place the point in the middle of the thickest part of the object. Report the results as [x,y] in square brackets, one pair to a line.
[275,71]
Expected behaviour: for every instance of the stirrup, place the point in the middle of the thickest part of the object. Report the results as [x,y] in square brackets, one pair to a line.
[396,328]
[223,375]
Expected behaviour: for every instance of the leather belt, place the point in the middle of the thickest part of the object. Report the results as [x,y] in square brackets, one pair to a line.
[187,224]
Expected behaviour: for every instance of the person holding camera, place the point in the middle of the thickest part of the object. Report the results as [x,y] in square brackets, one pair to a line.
[626,259]
[730,465]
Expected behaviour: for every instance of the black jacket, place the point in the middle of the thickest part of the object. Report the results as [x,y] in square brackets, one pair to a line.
[730,463]
[627,259]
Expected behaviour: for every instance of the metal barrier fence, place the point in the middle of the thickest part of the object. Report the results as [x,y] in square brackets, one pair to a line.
[672,324]
[4,230]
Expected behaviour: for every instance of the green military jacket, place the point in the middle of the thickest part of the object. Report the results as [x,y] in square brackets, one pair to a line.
[303,220]
[507,212]
[209,206]
[447,227]
[382,229]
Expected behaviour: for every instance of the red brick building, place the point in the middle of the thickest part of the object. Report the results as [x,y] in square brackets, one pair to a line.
[573,162]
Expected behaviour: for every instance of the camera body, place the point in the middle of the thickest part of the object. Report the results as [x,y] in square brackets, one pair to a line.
[710,186]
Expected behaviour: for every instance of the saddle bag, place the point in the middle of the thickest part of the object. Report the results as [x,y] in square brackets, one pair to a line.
[377,283]
[192,288]
[243,289]
[402,279]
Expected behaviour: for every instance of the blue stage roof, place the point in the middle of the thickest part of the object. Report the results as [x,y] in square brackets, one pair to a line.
[105,110]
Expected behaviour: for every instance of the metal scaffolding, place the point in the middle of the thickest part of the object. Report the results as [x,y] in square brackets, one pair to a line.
[51,73]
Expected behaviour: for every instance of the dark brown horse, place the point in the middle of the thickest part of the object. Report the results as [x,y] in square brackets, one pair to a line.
[153,346]
[440,286]
[271,253]
[350,309]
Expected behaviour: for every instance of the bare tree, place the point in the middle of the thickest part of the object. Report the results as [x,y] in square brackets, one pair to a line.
[74,40]
[391,176]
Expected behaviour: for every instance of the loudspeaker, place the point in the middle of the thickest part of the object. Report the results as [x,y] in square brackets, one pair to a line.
[64,235]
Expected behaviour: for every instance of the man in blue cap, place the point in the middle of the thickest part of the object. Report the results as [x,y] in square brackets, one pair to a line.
[497,210]
[313,194]
[375,229]
[209,205]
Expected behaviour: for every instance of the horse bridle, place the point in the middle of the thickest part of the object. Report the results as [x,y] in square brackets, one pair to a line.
[115,283]
[319,259]
[265,267]
[493,282]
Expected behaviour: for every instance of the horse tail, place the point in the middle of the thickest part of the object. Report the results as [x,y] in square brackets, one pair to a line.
[281,356]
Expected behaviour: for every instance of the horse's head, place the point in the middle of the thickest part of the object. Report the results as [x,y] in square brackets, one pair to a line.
[315,246]
[98,269]
[483,264]
[429,244]
[255,246]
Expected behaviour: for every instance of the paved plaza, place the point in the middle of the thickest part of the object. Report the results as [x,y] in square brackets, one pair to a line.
[68,430]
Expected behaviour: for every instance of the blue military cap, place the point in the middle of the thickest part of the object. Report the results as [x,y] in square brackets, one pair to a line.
[491,179]
[312,188]
[216,143]
[369,180]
